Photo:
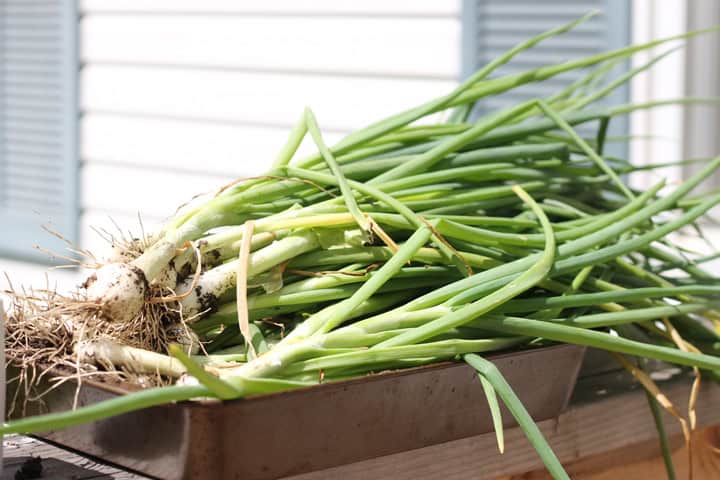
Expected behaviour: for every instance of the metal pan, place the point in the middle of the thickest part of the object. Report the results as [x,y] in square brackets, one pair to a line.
[273,436]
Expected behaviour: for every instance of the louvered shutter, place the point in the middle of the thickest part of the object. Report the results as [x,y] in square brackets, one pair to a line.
[38,125]
[491,27]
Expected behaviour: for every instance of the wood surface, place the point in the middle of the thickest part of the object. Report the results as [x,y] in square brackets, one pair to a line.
[609,416]
[642,461]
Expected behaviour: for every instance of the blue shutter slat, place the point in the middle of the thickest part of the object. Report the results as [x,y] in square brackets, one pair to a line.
[491,27]
[38,126]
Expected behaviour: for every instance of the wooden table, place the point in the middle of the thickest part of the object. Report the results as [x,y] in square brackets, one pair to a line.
[607,433]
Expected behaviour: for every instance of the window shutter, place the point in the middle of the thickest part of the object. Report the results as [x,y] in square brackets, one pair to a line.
[491,27]
[38,126]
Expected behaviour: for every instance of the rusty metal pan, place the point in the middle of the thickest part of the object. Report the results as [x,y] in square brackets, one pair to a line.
[277,435]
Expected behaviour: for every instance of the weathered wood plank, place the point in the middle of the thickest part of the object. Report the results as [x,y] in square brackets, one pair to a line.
[590,428]
[643,461]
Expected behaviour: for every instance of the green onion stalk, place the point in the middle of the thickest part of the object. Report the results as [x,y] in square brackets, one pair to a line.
[408,243]
[121,289]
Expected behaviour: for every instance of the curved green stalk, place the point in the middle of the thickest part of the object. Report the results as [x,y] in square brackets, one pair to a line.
[143,399]
[503,84]
[612,319]
[387,199]
[442,349]
[522,417]
[593,338]
[293,143]
[426,160]
[322,324]
[347,193]
[620,80]
[494,406]
[535,274]
[622,220]
[218,388]
[597,298]
[389,124]
[566,264]
[108,408]
[659,421]
[547,110]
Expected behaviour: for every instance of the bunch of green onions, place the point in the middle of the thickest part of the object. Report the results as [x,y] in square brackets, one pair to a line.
[409,243]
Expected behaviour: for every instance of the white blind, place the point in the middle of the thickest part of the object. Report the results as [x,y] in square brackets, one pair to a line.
[38,116]
[491,27]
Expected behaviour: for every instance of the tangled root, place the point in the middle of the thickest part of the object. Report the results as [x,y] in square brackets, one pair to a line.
[43,327]
[116,303]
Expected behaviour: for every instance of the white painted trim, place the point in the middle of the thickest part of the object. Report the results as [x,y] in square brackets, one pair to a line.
[653,19]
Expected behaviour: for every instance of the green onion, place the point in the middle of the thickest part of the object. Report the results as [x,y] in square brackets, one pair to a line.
[509,230]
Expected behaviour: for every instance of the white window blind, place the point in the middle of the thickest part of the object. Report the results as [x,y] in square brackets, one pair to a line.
[38,118]
[491,27]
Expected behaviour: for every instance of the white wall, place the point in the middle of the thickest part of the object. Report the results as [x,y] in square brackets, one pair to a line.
[178,97]
[658,131]
[661,132]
